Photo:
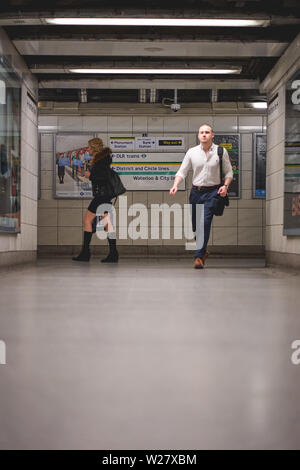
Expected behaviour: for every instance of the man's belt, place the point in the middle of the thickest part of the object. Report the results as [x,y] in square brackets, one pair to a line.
[205,188]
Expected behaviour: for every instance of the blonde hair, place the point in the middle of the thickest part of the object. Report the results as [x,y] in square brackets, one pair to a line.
[96,144]
[100,151]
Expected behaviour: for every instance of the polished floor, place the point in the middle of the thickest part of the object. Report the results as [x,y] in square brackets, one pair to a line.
[149,355]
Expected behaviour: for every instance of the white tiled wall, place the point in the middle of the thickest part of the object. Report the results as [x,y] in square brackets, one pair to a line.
[175,124]
[119,123]
[276,132]
[94,123]
[194,122]
[225,123]
[139,124]
[60,221]
[27,239]
[250,124]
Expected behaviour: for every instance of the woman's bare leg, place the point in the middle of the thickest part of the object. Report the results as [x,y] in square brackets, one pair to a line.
[88,220]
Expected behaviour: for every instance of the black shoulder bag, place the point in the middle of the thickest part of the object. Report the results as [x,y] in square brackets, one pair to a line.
[219,202]
[116,186]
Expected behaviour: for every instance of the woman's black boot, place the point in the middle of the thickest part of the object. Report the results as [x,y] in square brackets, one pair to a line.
[85,253]
[113,255]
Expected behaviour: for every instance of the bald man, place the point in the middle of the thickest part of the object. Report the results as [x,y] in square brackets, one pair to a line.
[205,163]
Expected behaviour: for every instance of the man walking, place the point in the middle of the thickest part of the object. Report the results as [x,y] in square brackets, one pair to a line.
[204,161]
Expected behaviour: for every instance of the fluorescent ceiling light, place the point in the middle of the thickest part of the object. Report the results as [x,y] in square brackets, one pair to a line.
[259,105]
[250,128]
[230,22]
[160,71]
[2,92]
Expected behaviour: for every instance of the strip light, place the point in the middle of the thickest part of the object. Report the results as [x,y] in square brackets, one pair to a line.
[259,105]
[159,71]
[231,22]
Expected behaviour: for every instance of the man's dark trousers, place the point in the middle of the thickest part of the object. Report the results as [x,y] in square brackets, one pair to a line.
[203,197]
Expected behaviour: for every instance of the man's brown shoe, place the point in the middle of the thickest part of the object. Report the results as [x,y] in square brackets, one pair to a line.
[198,263]
[206,254]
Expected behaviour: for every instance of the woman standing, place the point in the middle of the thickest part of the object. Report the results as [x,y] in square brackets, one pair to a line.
[99,175]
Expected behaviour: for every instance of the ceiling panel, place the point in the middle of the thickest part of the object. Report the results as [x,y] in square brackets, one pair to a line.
[50,51]
[145,48]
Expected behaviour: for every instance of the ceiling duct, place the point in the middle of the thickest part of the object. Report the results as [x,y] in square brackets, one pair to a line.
[214,95]
[142,95]
[83,95]
[153,95]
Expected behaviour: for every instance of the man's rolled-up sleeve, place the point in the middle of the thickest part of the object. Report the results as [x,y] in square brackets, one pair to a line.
[185,166]
[227,168]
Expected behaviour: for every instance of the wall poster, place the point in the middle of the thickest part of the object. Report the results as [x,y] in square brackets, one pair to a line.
[10,149]
[291,224]
[231,142]
[259,165]
[71,160]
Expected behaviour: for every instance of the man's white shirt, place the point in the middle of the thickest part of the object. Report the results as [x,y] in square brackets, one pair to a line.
[206,169]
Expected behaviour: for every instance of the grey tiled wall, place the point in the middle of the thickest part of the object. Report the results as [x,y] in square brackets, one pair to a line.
[60,221]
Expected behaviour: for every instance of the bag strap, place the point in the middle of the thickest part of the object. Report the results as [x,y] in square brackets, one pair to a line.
[220,154]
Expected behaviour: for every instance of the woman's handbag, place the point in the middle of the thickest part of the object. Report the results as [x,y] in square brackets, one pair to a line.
[219,202]
[116,186]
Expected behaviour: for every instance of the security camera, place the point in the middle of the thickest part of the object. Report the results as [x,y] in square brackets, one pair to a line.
[175,107]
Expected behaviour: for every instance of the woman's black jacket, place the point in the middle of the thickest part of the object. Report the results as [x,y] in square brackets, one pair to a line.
[100,173]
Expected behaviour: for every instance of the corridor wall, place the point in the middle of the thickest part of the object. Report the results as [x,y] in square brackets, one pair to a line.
[283,250]
[22,247]
[240,230]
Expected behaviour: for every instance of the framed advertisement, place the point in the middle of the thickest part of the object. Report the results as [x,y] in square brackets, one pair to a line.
[259,165]
[231,142]
[291,220]
[10,149]
[71,160]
